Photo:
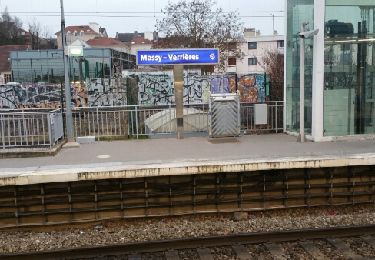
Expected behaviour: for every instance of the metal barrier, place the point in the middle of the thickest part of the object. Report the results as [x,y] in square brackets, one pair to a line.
[38,128]
[101,121]
[136,121]
[142,121]
[275,115]
[30,129]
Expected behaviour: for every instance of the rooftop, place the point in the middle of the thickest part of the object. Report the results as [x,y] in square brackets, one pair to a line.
[100,41]
[127,37]
[78,28]
[140,40]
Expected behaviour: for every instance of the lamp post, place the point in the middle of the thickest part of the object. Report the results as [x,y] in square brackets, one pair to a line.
[68,95]
[302,36]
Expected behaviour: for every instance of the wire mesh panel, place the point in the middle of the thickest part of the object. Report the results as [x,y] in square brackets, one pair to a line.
[224,115]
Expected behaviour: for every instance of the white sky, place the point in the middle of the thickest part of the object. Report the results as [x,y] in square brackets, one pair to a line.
[50,18]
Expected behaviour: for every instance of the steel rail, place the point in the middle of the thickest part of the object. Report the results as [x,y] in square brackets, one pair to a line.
[164,245]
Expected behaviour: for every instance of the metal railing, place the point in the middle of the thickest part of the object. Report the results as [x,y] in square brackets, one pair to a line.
[40,128]
[101,121]
[275,115]
[140,121]
[136,121]
[30,129]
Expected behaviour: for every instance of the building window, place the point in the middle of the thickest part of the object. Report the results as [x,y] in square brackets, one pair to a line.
[252,45]
[232,61]
[280,44]
[252,61]
[7,78]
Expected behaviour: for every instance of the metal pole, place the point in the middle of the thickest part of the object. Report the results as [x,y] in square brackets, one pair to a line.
[68,95]
[178,72]
[302,88]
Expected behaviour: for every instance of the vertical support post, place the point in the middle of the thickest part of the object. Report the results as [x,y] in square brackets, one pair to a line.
[170,196]
[2,123]
[136,121]
[49,120]
[146,196]
[16,213]
[70,201]
[178,73]
[194,182]
[68,95]
[317,126]
[240,193]
[302,88]
[122,199]
[96,200]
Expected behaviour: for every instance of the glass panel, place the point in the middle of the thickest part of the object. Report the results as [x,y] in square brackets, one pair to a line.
[48,66]
[299,12]
[349,82]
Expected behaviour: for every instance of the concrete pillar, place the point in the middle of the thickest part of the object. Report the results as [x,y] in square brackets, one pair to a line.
[178,72]
[318,72]
[285,63]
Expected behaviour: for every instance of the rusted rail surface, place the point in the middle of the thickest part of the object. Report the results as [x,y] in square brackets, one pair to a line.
[83,201]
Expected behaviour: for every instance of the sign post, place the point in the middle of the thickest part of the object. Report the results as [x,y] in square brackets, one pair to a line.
[178,74]
[178,58]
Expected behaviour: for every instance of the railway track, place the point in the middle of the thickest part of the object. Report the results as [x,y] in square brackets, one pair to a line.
[356,242]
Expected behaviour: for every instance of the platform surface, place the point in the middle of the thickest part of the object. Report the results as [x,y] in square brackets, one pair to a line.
[194,155]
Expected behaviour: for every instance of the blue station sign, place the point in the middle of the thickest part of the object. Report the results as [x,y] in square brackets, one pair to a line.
[178,56]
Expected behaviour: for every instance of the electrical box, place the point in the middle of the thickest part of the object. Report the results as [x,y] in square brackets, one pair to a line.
[224,115]
[260,114]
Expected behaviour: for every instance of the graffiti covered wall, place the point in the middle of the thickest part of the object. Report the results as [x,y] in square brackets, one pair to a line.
[30,96]
[152,88]
[94,92]
[252,88]
[156,88]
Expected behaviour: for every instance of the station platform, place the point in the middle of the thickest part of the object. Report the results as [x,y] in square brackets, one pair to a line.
[192,155]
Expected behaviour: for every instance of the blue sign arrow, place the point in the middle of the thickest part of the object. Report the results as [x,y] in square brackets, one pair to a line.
[178,56]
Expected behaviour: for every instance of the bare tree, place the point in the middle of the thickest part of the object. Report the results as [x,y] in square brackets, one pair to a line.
[35,30]
[199,24]
[46,32]
[35,27]
[273,64]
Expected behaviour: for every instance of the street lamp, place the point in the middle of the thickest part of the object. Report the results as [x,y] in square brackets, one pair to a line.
[302,36]
[68,95]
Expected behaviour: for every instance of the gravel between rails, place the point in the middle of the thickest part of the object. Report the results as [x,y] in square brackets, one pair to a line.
[136,230]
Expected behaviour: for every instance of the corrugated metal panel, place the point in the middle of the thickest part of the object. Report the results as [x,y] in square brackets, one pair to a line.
[224,116]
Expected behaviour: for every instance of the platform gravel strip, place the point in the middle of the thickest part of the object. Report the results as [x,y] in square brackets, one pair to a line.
[312,250]
[242,252]
[344,248]
[171,255]
[276,250]
[204,254]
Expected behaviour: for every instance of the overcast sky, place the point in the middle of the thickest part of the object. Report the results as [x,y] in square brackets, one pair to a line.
[146,10]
